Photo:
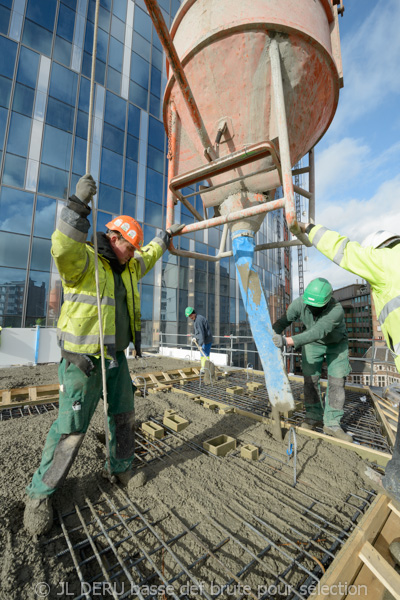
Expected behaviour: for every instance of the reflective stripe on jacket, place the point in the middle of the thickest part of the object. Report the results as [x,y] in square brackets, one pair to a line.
[378,266]
[78,325]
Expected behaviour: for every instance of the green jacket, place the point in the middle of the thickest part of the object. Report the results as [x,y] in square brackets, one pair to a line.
[378,266]
[326,328]
[78,325]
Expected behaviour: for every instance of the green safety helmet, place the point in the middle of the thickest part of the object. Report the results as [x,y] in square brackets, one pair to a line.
[188,311]
[318,292]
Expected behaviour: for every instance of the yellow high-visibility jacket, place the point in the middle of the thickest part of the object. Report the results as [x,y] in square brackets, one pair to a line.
[78,325]
[380,267]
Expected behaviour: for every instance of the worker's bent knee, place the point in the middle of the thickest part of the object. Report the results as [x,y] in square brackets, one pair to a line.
[336,395]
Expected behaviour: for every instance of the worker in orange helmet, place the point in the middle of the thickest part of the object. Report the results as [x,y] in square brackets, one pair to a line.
[122,261]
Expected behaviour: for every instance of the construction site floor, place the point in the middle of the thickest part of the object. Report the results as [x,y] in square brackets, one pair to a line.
[220,522]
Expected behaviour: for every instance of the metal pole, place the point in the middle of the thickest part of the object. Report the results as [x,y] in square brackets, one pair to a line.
[180,77]
[287,181]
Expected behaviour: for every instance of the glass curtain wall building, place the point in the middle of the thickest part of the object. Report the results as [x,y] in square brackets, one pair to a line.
[45,64]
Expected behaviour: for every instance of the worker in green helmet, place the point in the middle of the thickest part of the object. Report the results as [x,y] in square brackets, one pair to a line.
[202,335]
[325,337]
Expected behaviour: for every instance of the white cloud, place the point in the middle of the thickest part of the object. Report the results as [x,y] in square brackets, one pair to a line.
[371,58]
[338,165]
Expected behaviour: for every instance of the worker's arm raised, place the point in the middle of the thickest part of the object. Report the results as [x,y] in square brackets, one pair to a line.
[148,256]
[69,239]
[365,262]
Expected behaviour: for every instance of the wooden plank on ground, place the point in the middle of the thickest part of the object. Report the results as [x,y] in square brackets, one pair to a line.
[381,569]
[347,563]
[366,583]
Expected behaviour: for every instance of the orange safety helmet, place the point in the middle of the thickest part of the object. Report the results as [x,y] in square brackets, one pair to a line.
[129,228]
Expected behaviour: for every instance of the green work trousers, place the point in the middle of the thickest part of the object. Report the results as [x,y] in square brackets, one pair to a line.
[337,358]
[79,396]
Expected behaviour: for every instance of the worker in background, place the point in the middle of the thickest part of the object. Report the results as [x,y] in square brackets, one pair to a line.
[122,262]
[376,260]
[202,335]
[325,337]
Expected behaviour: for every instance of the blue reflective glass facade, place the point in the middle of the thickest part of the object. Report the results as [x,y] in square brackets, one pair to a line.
[45,65]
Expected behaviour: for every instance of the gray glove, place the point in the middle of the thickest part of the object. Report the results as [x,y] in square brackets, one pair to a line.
[279,340]
[86,188]
[175,228]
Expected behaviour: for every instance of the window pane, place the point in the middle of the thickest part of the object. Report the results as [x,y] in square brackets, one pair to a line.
[56,148]
[119,9]
[18,136]
[141,46]
[146,304]
[129,205]
[45,215]
[62,51]
[8,51]
[117,28]
[111,168]
[109,198]
[156,134]
[154,186]
[138,95]
[63,84]
[113,80]
[142,23]
[23,99]
[42,12]
[140,70]
[14,170]
[155,159]
[5,91]
[115,110]
[84,94]
[15,210]
[53,182]
[66,22]
[153,214]
[130,176]
[157,59]
[36,306]
[154,107]
[134,120]
[12,285]
[113,138]
[102,43]
[41,256]
[79,161]
[60,115]
[155,82]
[132,148]
[3,123]
[38,38]
[4,19]
[115,54]
[14,250]
[82,124]
[28,67]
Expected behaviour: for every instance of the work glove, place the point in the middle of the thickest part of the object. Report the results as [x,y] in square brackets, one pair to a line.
[302,226]
[279,340]
[86,188]
[194,340]
[175,228]
[138,344]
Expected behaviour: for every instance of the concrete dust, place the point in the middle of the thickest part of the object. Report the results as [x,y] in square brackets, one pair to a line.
[186,487]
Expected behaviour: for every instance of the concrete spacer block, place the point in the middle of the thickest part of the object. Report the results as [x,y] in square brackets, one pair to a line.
[236,389]
[224,410]
[221,445]
[175,422]
[210,405]
[253,386]
[249,451]
[168,412]
[153,430]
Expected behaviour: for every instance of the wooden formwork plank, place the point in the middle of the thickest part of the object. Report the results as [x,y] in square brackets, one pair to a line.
[347,563]
[5,397]
[390,432]
[381,569]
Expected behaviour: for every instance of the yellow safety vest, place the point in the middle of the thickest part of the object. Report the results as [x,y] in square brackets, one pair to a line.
[380,267]
[78,325]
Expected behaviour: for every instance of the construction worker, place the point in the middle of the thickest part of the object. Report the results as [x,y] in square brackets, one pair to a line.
[325,337]
[122,262]
[376,261]
[202,335]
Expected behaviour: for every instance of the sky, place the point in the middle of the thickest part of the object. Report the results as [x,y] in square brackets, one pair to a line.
[357,162]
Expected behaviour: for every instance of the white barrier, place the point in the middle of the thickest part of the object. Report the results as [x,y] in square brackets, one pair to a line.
[185,353]
[29,346]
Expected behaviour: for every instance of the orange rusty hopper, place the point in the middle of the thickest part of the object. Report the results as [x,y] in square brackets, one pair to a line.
[253,85]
